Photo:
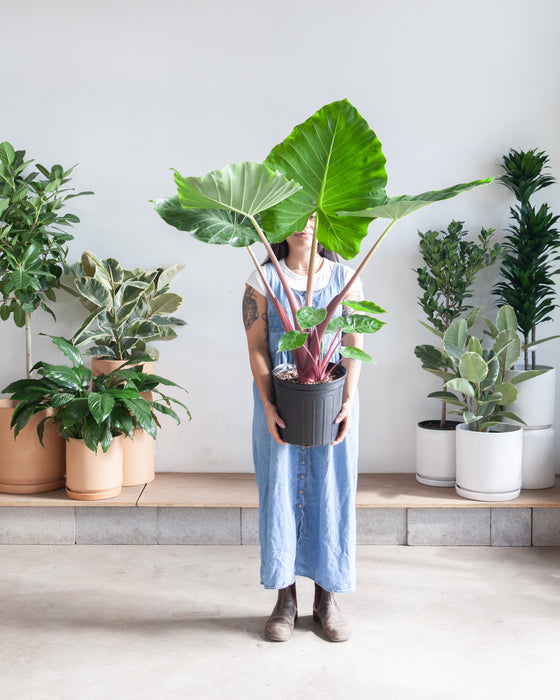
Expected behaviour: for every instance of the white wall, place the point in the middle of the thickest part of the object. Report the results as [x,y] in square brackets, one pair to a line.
[132,88]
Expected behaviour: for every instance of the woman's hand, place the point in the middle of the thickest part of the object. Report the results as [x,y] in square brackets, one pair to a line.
[273,422]
[343,420]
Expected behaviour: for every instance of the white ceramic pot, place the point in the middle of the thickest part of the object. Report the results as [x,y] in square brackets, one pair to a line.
[537,398]
[539,459]
[489,464]
[435,454]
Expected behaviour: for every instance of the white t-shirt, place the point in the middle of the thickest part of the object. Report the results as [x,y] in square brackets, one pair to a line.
[321,278]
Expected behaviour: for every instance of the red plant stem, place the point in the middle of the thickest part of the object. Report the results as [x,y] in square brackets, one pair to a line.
[335,342]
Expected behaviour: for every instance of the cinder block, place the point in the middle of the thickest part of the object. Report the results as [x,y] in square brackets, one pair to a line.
[510,527]
[21,525]
[250,526]
[448,526]
[381,525]
[105,525]
[199,525]
[546,527]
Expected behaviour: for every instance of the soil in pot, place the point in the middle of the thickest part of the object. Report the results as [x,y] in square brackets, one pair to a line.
[308,410]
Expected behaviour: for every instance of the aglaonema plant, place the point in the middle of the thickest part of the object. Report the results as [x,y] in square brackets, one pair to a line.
[333,166]
[33,237]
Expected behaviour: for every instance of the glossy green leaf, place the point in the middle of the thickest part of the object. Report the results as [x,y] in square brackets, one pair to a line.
[351,352]
[508,391]
[338,160]
[367,307]
[524,376]
[507,346]
[166,303]
[475,346]
[68,349]
[455,338]
[356,323]
[291,341]
[245,188]
[216,226]
[308,317]
[463,386]
[398,207]
[446,396]
[473,368]
[94,290]
[506,319]
[100,405]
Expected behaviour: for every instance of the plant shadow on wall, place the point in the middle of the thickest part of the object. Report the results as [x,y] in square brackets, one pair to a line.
[332,165]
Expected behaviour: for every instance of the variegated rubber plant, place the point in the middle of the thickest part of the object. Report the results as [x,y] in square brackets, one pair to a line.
[127,308]
[332,165]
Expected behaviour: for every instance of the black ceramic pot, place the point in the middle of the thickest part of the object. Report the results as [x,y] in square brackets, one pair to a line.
[309,410]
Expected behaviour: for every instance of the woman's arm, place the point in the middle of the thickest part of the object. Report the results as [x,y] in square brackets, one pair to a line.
[353,368]
[255,319]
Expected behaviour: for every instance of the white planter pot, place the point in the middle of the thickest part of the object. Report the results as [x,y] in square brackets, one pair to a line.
[489,464]
[435,455]
[537,397]
[539,459]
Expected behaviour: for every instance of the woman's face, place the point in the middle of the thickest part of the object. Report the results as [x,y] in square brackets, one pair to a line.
[304,236]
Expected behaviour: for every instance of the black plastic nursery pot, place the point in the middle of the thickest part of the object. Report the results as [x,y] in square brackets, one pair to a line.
[309,410]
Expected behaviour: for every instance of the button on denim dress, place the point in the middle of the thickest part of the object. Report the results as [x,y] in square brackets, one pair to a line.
[307,495]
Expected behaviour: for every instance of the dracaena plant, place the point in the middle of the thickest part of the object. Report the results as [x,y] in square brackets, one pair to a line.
[332,165]
[451,264]
[479,385]
[33,237]
[531,248]
[127,308]
[92,409]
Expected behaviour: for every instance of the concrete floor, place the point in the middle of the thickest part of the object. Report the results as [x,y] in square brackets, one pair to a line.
[186,621]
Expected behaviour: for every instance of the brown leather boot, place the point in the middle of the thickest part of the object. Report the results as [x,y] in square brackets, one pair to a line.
[327,612]
[280,625]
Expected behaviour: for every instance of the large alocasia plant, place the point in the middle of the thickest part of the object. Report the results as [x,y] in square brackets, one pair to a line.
[331,165]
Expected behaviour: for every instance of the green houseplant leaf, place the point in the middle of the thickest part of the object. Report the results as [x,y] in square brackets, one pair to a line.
[216,226]
[245,188]
[338,160]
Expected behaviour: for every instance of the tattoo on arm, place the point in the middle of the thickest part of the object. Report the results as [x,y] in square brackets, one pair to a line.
[250,311]
[265,319]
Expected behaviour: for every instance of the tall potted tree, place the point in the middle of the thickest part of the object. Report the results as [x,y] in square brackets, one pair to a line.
[528,285]
[451,264]
[33,247]
[332,165]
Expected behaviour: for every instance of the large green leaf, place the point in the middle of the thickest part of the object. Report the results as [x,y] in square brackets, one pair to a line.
[354,353]
[507,346]
[100,405]
[164,303]
[398,207]
[246,188]
[94,290]
[218,226]
[455,338]
[338,160]
[473,368]
[309,317]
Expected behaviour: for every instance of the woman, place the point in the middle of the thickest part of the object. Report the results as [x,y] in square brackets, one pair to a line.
[306,495]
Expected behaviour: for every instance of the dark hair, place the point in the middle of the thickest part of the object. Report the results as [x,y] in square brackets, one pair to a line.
[281,251]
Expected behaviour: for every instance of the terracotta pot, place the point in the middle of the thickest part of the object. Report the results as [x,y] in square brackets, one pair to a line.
[26,466]
[93,476]
[138,459]
[99,366]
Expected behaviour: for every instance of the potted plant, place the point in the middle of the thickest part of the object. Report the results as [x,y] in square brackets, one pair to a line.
[33,247]
[528,285]
[127,309]
[488,451]
[333,166]
[92,414]
[451,265]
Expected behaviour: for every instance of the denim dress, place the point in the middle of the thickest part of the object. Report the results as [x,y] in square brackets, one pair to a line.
[307,495]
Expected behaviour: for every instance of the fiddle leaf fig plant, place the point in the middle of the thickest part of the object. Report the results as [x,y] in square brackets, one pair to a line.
[479,385]
[33,237]
[331,165]
[127,308]
[92,409]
